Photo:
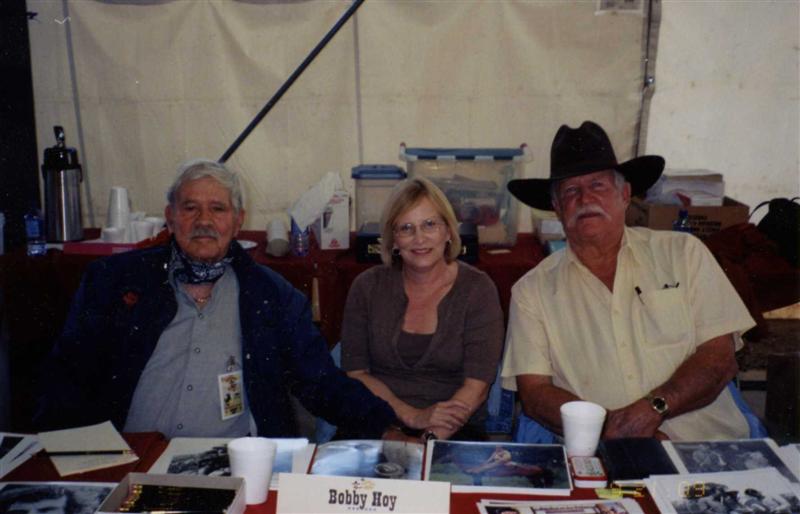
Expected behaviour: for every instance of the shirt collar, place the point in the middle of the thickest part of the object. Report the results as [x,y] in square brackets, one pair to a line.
[629,247]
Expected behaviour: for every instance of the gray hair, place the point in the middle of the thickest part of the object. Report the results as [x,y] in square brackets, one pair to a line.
[619,182]
[201,168]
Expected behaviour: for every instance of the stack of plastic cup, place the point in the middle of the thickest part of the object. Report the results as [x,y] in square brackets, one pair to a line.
[252,458]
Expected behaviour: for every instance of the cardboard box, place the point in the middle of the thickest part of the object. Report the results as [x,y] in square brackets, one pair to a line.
[332,229]
[113,501]
[704,220]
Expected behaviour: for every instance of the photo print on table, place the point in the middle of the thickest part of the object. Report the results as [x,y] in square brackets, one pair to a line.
[53,497]
[499,467]
[735,455]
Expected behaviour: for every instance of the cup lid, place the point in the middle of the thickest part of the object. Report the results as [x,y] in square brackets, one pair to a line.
[60,157]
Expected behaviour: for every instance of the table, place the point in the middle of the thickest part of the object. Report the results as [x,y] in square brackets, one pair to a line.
[35,293]
[149,445]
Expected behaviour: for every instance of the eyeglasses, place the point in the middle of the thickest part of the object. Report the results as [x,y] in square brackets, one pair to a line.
[429,226]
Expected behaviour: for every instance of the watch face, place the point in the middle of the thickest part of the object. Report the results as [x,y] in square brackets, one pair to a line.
[659,404]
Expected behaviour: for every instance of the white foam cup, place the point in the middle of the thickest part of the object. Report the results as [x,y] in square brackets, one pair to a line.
[252,458]
[119,207]
[583,424]
[277,238]
[113,234]
[158,224]
[141,229]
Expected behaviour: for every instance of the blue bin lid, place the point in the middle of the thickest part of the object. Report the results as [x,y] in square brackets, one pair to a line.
[498,154]
[378,171]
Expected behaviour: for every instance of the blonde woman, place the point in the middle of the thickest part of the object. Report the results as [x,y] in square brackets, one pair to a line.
[424,331]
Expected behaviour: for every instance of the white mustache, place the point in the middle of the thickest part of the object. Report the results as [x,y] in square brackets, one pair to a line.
[204,232]
[587,209]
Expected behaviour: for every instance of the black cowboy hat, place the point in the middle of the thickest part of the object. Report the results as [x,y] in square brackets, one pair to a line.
[581,151]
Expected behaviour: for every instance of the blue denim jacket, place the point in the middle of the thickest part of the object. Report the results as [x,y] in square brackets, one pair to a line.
[125,302]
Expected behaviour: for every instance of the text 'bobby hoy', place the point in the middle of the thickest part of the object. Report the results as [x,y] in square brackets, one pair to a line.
[359,500]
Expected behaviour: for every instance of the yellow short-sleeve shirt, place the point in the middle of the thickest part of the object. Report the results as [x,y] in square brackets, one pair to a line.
[613,348]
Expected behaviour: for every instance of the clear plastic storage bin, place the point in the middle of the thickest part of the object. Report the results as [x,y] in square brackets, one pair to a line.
[474,180]
[374,184]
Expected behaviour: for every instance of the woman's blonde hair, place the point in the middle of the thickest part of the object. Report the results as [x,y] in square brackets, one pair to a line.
[405,196]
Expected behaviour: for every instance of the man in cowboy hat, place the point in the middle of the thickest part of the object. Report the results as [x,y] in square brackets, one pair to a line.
[642,322]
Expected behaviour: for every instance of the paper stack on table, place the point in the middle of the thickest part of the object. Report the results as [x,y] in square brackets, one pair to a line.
[77,450]
[753,490]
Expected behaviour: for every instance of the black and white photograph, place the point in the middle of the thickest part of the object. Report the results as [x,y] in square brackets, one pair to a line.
[52,497]
[212,462]
[736,455]
[209,456]
[715,497]
[501,467]
[731,492]
[369,459]
[790,454]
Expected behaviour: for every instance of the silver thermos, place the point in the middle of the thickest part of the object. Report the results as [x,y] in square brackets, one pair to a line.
[62,194]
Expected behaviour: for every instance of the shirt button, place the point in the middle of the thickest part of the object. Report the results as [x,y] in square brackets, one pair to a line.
[197,350]
[180,426]
[630,377]
[200,315]
[189,387]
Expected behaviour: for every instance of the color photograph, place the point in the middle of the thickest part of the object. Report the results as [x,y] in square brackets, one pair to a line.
[369,459]
[499,467]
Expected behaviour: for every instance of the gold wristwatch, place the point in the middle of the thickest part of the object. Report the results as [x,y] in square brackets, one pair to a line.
[658,403]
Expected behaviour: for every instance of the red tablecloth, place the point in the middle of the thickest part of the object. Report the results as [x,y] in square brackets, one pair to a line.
[149,446]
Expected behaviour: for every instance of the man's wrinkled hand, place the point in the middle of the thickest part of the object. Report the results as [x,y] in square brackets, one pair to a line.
[635,420]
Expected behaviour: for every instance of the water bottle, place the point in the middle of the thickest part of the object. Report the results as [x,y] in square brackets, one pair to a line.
[34,230]
[300,241]
[681,224]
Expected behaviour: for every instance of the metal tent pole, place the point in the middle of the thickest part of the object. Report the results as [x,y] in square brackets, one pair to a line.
[294,76]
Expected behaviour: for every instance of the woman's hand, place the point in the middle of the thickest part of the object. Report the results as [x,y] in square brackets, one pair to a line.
[450,414]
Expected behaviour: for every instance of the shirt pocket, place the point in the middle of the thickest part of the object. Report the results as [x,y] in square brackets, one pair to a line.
[663,319]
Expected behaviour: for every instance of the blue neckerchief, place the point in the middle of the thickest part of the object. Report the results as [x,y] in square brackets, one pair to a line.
[188,271]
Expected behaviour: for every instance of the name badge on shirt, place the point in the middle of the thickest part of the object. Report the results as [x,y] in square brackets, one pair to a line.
[231,401]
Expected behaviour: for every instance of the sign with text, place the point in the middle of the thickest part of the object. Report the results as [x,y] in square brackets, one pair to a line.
[317,494]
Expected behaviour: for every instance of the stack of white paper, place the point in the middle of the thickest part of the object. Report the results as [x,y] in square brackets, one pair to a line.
[77,450]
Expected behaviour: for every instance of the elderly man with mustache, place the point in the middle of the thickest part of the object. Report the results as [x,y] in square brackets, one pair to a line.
[195,339]
[642,322]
